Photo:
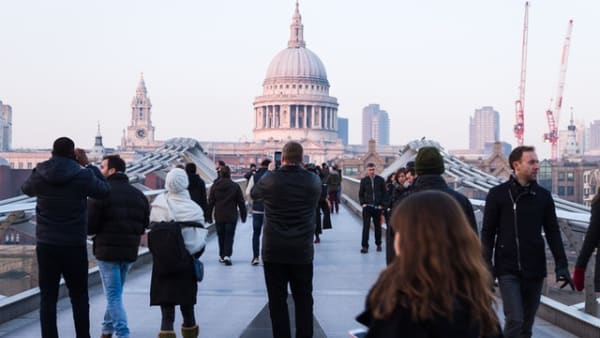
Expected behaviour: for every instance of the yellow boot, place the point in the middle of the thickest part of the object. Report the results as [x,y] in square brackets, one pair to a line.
[167,334]
[190,332]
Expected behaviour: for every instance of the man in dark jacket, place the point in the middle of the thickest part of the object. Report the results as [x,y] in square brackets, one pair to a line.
[62,186]
[516,212]
[225,198]
[290,197]
[197,187]
[117,223]
[258,210]
[372,197]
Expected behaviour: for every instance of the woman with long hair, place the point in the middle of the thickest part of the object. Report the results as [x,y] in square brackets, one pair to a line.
[590,243]
[438,285]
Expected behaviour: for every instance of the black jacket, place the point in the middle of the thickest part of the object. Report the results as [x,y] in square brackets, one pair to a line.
[197,189]
[590,243]
[514,238]
[118,221]
[437,182]
[258,205]
[290,196]
[62,187]
[225,198]
[372,191]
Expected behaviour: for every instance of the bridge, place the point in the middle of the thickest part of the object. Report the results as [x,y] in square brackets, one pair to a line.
[232,300]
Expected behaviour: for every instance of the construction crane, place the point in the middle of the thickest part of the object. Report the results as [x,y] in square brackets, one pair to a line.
[553,115]
[519,128]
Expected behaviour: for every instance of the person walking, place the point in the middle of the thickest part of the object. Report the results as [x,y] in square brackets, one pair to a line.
[516,213]
[258,210]
[424,294]
[290,196]
[197,187]
[226,198]
[333,186]
[62,187]
[372,198]
[590,243]
[117,223]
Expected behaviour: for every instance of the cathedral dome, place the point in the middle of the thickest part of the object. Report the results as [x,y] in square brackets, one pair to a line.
[297,63]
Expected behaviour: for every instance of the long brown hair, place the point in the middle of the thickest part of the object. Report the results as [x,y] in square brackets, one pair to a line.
[439,262]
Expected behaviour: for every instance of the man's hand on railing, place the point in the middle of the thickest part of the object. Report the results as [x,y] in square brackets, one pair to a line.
[579,278]
[563,275]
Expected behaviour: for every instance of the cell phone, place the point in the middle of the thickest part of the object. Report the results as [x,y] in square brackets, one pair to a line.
[277,158]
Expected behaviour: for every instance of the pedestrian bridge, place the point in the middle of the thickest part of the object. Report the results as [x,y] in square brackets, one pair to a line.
[231,300]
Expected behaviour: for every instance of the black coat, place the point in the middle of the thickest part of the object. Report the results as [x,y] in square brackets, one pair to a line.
[197,189]
[591,243]
[515,239]
[257,205]
[118,221]
[372,191]
[290,196]
[62,187]
[225,198]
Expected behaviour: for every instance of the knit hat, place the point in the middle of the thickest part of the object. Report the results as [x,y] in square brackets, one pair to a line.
[429,161]
[176,181]
[64,147]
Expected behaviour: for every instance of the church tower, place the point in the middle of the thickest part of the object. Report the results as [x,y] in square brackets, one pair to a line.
[140,132]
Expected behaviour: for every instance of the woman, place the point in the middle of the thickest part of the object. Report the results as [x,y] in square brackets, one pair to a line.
[175,288]
[590,243]
[438,285]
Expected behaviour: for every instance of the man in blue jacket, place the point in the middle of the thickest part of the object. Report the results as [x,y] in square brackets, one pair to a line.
[62,186]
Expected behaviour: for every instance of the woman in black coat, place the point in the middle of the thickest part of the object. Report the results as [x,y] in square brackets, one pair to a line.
[590,243]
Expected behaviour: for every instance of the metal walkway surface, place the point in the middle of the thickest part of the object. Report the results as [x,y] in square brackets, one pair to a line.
[231,297]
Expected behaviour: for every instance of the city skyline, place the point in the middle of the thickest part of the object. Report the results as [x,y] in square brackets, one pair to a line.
[429,64]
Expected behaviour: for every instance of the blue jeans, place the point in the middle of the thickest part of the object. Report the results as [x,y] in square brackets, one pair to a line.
[520,300]
[257,223]
[113,275]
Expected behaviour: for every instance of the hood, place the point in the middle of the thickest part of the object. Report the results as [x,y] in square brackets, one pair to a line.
[424,182]
[176,181]
[58,170]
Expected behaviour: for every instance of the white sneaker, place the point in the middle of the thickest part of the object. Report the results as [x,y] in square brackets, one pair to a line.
[227,260]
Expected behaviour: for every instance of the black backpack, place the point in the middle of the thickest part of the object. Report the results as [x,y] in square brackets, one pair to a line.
[169,254]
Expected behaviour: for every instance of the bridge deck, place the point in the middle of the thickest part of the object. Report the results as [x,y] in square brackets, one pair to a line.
[231,297]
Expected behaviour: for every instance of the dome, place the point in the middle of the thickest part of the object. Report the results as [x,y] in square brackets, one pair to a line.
[297,62]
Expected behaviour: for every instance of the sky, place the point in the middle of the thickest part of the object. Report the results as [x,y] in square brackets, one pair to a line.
[66,65]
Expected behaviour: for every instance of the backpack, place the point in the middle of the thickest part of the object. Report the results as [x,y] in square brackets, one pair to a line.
[169,255]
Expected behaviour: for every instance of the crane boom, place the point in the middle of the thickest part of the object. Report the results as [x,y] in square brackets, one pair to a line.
[519,128]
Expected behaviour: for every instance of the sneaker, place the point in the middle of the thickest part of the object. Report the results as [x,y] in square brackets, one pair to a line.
[364,250]
[227,260]
[254,261]
[221,260]
[379,248]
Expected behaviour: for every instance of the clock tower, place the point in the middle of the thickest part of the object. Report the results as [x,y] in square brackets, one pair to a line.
[140,132]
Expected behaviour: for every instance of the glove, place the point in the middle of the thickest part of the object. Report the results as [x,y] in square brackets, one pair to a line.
[563,275]
[579,278]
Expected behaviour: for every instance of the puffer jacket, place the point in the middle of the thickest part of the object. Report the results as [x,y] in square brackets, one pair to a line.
[62,186]
[290,197]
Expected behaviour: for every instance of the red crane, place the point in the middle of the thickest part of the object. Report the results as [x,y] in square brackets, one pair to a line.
[519,127]
[553,115]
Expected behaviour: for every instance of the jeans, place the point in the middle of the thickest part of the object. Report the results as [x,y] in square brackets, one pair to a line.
[225,234]
[369,213]
[520,300]
[257,223]
[113,275]
[299,276]
[72,263]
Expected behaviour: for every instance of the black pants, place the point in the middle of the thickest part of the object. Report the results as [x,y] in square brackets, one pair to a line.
[72,264]
[225,234]
[168,316]
[520,301]
[326,223]
[299,277]
[369,213]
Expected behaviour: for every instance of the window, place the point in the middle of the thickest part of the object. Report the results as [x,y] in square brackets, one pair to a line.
[570,191]
[29,165]
[570,176]
[561,175]
[561,190]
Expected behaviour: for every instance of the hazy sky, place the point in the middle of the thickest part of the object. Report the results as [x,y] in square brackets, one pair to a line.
[64,65]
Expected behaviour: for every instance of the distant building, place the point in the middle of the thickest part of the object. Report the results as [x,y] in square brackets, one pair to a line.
[375,125]
[594,136]
[98,151]
[5,127]
[343,130]
[570,142]
[568,179]
[484,127]
[505,148]
[140,132]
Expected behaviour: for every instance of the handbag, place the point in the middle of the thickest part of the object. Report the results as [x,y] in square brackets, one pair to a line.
[198,269]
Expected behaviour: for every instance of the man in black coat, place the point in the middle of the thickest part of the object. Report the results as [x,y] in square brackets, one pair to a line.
[516,212]
[62,187]
[197,187]
[372,197]
[117,223]
[290,196]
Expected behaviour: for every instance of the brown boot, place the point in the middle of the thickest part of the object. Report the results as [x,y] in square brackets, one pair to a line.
[190,332]
[167,334]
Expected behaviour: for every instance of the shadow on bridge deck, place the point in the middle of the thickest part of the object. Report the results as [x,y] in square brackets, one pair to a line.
[231,298]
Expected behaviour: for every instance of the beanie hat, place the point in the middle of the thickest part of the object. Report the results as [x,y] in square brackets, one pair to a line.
[429,161]
[64,147]
[176,181]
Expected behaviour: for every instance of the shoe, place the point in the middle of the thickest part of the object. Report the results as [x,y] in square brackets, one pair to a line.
[364,250]
[227,260]
[106,335]
[318,240]
[254,261]
[190,332]
[167,334]
[379,248]
[221,260]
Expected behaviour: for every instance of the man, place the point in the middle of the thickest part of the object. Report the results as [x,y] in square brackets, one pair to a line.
[117,222]
[251,172]
[197,187]
[333,183]
[62,186]
[218,165]
[516,212]
[372,197]
[290,197]
[258,210]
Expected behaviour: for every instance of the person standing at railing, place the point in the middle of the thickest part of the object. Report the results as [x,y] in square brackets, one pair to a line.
[590,243]
[62,187]
[516,212]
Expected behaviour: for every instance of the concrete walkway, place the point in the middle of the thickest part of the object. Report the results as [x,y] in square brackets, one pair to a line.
[231,297]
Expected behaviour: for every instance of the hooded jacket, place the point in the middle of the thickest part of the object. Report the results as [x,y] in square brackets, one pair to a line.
[225,198]
[197,189]
[62,186]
